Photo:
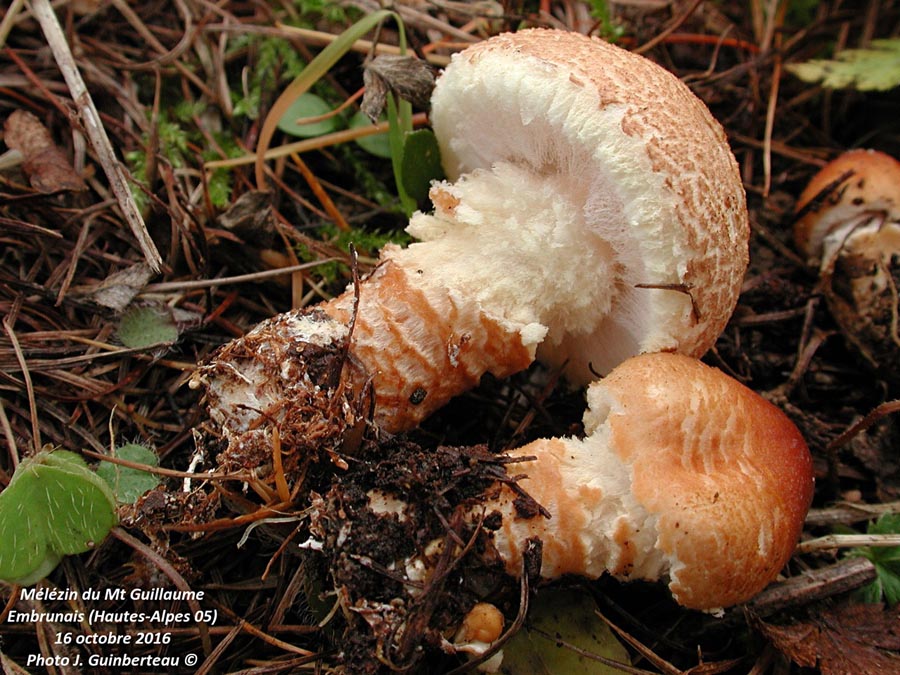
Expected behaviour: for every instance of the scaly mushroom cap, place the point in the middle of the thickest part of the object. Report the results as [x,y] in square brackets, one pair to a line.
[611,175]
[683,473]
[855,183]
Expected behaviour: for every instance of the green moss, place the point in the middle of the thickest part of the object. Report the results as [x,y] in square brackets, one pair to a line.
[365,241]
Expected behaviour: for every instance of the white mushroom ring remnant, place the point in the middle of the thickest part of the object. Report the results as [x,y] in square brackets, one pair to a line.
[594,211]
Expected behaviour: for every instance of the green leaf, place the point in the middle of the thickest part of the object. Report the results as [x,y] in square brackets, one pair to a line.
[147,326]
[889,576]
[53,506]
[568,616]
[886,560]
[306,106]
[315,70]
[889,523]
[421,163]
[377,144]
[127,483]
[876,68]
[397,138]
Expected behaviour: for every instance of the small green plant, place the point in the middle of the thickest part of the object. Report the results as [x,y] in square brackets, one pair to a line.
[330,11]
[364,240]
[886,560]
[173,141]
[801,13]
[129,483]
[147,326]
[53,506]
[399,111]
[275,61]
[876,68]
[608,29]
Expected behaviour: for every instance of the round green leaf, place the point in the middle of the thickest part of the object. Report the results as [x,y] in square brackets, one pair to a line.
[147,326]
[53,506]
[378,144]
[421,163]
[127,483]
[305,106]
[562,615]
[25,549]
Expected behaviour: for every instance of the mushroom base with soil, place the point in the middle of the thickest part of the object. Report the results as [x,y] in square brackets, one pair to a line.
[683,475]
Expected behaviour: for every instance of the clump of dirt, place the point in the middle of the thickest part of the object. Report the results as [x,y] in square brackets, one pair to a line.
[282,403]
[408,548]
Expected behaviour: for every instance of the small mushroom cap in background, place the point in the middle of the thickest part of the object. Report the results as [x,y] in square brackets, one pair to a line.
[595,200]
[853,184]
[849,226]
[684,474]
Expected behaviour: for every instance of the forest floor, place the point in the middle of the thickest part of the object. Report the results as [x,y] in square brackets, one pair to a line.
[97,349]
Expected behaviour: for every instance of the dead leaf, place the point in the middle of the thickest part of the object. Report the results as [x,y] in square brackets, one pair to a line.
[854,639]
[564,634]
[250,217]
[404,76]
[46,166]
[118,289]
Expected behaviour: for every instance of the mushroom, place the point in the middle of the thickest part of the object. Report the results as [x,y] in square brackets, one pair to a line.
[683,473]
[848,225]
[481,627]
[594,212]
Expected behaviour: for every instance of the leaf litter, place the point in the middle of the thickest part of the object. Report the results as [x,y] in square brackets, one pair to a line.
[70,268]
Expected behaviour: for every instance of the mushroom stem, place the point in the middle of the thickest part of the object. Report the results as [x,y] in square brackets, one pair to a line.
[420,343]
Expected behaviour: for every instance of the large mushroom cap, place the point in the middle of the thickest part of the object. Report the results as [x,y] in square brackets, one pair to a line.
[726,473]
[683,473]
[647,176]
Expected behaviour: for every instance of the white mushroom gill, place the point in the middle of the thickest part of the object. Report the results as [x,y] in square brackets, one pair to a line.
[552,146]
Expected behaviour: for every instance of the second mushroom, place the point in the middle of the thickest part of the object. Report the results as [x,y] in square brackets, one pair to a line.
[683,475]
[848,226]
